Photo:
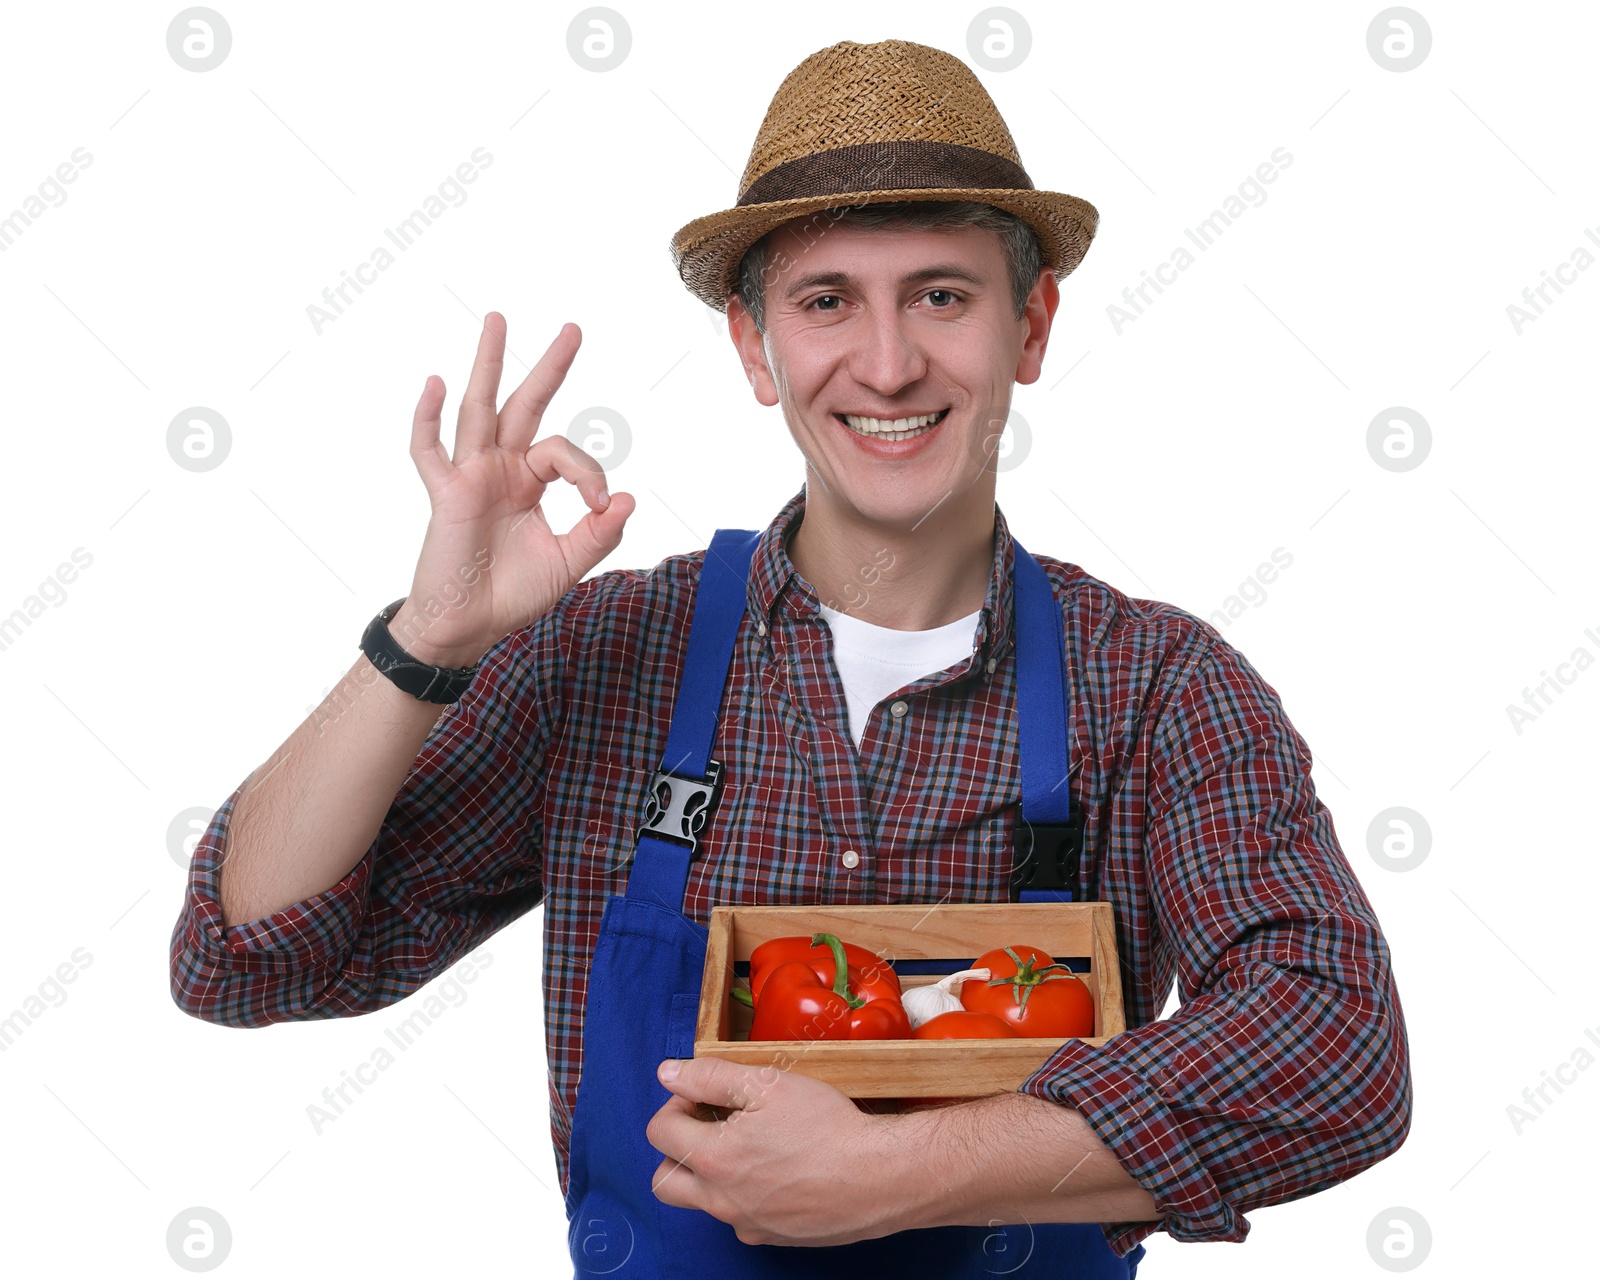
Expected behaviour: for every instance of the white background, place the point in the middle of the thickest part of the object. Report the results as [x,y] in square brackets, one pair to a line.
[1228,420]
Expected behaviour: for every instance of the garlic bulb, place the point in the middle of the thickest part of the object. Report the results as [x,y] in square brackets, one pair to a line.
[925,1002]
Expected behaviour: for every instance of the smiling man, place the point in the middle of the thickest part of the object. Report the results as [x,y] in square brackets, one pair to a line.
[893,351]
[843,707]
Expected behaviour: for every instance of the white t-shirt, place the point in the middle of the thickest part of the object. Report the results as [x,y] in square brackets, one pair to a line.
[874,661]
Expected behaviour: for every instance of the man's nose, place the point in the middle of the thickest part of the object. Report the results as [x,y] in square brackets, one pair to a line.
[885,357]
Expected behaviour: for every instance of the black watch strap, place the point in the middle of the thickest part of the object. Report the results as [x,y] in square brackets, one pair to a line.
[424,682]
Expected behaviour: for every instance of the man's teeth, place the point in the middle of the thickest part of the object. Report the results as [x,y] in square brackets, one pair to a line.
[893,429]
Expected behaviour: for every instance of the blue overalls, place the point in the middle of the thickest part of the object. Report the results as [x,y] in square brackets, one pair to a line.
[649,948]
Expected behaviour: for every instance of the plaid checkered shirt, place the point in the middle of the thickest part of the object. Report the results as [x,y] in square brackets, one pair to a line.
[1285,1068]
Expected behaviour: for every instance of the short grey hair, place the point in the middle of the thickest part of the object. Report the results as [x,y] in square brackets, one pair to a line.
[1017,238]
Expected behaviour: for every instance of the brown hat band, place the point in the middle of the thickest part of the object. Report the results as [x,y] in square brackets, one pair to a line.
[905,165]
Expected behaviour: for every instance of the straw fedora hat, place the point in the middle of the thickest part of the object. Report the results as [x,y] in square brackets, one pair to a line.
[867,123]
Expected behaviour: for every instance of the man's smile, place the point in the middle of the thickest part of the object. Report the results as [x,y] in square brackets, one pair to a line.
[890,429]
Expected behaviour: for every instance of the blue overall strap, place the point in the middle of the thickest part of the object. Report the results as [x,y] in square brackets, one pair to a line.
[684,789]
[1049,835]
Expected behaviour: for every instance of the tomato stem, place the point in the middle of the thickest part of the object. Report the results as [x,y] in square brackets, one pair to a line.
[1029,974]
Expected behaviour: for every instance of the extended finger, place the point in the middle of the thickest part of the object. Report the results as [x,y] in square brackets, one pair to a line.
[525,406]
[475,423]
[427,452]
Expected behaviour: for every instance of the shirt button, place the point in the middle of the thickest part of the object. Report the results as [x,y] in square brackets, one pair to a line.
[761,628]
[898,708]
[989,666]
[850,858]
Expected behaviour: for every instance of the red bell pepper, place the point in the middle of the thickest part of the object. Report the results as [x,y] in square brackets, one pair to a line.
[877,976]
[796,1002]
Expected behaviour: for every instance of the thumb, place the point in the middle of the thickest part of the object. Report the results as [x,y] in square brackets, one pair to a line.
[597,533]
[713,1080]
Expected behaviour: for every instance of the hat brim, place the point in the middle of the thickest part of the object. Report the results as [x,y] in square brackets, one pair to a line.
[707,251]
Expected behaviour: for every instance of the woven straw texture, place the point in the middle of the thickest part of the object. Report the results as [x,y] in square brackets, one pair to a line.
[868,123]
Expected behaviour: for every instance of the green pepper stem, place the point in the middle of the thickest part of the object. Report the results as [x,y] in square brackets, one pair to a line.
[743,996]
[841,969]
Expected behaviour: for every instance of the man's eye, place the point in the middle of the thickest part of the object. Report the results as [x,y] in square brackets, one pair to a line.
[825,296]
[946,293]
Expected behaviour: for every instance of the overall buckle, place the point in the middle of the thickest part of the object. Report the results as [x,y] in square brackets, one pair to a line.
[1048,854]
[678,806]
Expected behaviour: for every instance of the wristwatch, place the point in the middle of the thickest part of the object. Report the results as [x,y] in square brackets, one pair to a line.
[424,682]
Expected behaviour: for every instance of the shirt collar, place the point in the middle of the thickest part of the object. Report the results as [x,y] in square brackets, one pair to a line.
[774,581]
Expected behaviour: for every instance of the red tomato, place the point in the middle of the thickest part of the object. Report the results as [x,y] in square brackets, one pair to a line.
[963,1024]
[958,1024]
[1033,993]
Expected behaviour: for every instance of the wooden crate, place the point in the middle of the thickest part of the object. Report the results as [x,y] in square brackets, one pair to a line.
[953,934]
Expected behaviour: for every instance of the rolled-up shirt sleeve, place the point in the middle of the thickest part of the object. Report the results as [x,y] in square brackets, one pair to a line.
[458,857]
[1285,1069]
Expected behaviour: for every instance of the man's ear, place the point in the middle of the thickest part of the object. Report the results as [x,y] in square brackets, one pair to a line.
[751,346]
[1037,313]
